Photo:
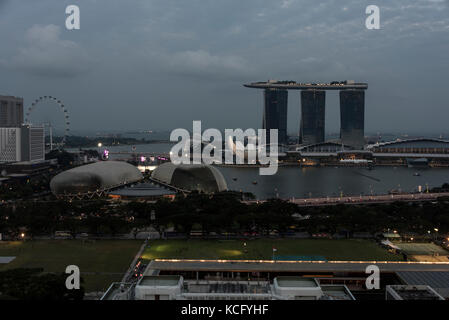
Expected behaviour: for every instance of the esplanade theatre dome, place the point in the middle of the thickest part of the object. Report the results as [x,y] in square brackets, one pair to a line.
[199,177]
[96,176]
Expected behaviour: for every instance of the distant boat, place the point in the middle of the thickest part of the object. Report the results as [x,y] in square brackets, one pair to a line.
[254,182]
[417,174]
[235,179]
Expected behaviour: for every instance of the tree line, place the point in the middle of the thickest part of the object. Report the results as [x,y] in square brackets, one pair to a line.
[219,214]
[33,284]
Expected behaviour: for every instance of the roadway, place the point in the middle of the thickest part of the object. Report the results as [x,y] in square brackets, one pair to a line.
[290,266]
[370,199]
[128,276]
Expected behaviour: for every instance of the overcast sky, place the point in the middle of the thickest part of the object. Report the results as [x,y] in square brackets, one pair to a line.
[159,64]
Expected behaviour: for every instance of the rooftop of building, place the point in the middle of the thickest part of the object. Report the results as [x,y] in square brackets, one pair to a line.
[159,281]
[102,175]
[10,98]
[296,282]
[411,143]
[190,177]
[228,287]
[412,292]
[336,292]
[438,280]
[293,85]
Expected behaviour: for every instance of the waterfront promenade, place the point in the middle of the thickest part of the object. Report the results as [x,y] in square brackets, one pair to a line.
[363,199]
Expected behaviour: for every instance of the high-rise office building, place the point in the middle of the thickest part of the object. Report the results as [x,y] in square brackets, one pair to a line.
[352,117]
[275,113]
[24,143]
[312,116]
[11,111]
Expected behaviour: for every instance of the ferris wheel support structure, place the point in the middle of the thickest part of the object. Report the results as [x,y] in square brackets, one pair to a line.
[64,110]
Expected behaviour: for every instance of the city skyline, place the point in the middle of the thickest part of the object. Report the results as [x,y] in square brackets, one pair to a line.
[224,154]
[192,63]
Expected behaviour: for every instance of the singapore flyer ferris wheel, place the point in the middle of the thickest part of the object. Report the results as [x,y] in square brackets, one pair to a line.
[61,106]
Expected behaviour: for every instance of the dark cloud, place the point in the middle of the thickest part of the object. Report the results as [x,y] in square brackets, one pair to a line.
[46,54]
[162,63]
[3,5]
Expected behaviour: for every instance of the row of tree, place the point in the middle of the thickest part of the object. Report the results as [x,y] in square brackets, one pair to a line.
[219,213]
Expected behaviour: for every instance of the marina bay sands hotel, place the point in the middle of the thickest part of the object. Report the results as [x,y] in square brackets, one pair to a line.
[313,98]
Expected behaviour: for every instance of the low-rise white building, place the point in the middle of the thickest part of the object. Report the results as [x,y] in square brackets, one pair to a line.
[294,288]
[158,288]
[172,287]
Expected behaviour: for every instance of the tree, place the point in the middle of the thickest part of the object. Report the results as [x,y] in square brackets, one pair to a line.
[33,284]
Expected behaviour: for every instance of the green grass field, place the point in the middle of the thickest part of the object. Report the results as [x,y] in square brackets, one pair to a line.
[104,261]
[262,249]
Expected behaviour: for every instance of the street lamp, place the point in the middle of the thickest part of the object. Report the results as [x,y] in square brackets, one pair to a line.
[435,236]
[99,150]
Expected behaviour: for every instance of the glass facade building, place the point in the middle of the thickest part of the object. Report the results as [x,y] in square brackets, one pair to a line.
[312,116]
[275,113]
[352,117]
